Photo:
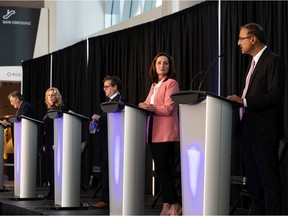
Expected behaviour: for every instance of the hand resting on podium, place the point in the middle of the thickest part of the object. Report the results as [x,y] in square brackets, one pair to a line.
[149,107]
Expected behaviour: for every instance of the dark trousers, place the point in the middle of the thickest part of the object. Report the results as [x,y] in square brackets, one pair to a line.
[262,170]
[163,156]
[49,161]
[104,174]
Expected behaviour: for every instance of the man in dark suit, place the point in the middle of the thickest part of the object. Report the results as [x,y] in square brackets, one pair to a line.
[23,107]
[261,126]
[112,88]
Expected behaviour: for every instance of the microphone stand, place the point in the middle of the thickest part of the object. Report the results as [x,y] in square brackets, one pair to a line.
[209,68]
[201,72]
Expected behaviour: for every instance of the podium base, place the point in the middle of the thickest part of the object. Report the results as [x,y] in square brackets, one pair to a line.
[59,208]
[26,199]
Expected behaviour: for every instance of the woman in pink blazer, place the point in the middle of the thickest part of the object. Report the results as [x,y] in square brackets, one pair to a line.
[165,132]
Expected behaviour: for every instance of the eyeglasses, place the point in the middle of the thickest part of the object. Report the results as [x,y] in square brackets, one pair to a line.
[105,87]
[243,38]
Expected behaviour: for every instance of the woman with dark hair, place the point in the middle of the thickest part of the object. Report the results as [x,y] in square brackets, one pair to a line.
[165,132]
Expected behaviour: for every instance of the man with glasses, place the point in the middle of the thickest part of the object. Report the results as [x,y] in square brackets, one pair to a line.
[261,126]
[112,88]
[22,107]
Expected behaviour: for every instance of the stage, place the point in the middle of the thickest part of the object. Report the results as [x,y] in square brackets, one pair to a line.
[11,206]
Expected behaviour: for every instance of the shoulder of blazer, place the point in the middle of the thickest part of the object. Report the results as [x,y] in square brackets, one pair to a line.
[170,82]
[25,105]
[268,54]
[119,97]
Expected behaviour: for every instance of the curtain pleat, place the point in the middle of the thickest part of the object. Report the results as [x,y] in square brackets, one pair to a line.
[69,75]
[36,79]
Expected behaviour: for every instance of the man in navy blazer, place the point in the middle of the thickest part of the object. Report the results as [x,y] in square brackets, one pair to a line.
[112,88]
[261,126]
[22,106]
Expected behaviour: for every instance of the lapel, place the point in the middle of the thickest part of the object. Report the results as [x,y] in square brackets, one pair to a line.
[19,110]
[116,98]
[257,68]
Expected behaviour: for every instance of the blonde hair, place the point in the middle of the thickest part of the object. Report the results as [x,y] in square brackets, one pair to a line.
[57,95]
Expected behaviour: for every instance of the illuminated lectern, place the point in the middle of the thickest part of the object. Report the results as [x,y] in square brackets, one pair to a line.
[126,152]
[67,157]
[205,140]
[25,156]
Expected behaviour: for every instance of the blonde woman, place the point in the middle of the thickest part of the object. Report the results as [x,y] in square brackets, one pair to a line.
[53,101]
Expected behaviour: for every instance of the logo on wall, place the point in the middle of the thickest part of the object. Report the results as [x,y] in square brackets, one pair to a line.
[7,21]
[18,31]
[9,14]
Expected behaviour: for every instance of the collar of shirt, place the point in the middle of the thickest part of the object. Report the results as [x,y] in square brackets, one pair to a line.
[257,57]
[114,95]
[20,105]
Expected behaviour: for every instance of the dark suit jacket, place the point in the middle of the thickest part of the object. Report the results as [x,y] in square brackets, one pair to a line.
[103,133]
[263,116]
[25,109]
[48,130]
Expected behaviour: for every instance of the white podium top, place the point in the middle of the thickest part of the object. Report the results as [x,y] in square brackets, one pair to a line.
[195,97]
[119,106]
[14,119]
[59,113]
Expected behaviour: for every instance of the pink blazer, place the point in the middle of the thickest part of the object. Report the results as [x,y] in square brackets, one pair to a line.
[165,120]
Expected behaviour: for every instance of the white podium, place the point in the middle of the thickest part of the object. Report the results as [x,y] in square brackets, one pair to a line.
[205,140]
[126,152]
[67,157]
[25,156]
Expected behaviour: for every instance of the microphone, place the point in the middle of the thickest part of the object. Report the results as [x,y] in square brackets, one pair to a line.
[198,74]
[209,68]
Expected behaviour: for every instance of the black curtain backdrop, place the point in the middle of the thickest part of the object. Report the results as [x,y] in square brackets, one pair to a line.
[191,37]
[69,75]
[128,53]
[36,79]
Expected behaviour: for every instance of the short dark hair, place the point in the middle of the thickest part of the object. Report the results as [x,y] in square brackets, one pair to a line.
[114,81]
[16,94]
[171,73]
[255,30]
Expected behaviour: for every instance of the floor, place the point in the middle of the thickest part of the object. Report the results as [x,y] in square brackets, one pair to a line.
[10,205]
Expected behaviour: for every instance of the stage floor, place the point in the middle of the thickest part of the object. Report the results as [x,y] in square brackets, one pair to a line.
[10,206]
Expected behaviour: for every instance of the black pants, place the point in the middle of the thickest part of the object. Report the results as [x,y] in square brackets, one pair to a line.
[163,156]
[49,160]
[104,174]
[262,170]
